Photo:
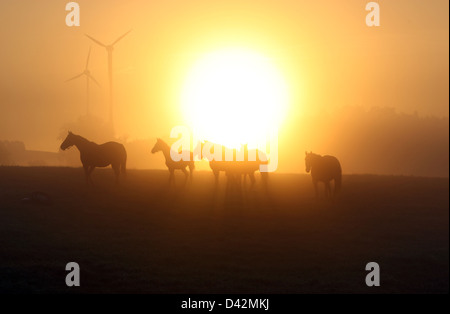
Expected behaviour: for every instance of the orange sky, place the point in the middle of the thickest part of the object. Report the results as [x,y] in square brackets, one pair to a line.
[329,57]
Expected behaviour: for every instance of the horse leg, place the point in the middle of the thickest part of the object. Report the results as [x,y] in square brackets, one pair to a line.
[123,169]
[216,177]
[116,168]
[186,174]
[327,189]
[171,176]
[316,189]
[91,169]
[264,180]
[229,186]
[252,179]
[233,179]
[86,173]
[237,181]
[191,172]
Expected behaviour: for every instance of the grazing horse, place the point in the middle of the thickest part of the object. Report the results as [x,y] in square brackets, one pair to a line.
[93,155]
[163,147]
[234,169]
[324,169]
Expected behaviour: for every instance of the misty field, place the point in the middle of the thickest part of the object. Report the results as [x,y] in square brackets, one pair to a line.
[146,238]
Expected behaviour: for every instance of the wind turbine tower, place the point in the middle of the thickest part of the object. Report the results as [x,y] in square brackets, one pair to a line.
[89,77]
[109,50]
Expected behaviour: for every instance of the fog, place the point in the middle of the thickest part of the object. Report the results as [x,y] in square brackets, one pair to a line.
[376,98]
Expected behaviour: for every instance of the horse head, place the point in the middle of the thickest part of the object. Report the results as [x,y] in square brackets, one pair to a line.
[68,142]
[158,146]
[308,161]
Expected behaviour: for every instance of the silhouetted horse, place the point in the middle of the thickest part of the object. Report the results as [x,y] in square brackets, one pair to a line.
[171,164]
[324,169]
[235,169]
[93,155]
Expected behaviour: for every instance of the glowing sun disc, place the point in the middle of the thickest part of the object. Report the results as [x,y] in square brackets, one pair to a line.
[234,97]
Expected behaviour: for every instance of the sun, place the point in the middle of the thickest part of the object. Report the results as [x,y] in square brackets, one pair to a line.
[233,97]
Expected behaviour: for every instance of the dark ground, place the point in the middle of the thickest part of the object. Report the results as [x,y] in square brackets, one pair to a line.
[146,238]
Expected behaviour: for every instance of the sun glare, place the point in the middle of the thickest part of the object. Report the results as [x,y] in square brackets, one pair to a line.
[234,97]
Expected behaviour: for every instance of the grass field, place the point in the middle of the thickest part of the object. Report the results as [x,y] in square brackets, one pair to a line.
[144,237]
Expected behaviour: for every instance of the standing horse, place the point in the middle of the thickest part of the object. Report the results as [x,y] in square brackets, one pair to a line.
[163,147]
[235,169]
[324,169]
[93,155]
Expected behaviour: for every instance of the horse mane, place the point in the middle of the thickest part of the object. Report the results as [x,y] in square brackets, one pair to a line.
[163,143]
[79,137]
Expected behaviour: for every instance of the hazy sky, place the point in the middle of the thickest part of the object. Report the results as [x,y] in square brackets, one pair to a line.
[330,58]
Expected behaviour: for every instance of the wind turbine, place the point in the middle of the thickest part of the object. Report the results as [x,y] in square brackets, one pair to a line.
[89,77]
[109,49]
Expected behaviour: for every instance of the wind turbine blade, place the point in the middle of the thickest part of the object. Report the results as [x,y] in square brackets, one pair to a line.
[95,81]
[75,77]
[95,40]
[117,40]
[87,61]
